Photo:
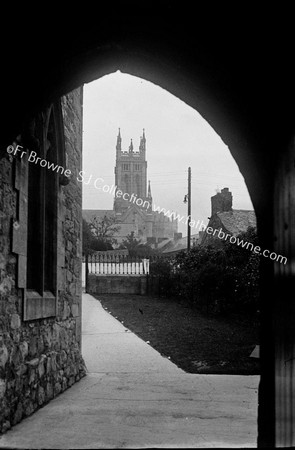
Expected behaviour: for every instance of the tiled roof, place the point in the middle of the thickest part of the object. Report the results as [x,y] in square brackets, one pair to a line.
[238,220]
[164,243]
[180,244]
[89,214]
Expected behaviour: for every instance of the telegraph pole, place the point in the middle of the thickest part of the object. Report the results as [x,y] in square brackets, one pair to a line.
[189,209]
[187,199]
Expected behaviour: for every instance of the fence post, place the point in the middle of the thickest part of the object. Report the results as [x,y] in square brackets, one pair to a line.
[147,284]
[86,273]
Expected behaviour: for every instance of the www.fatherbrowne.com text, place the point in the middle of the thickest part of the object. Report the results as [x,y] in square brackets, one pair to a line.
[132,198]
[198,225]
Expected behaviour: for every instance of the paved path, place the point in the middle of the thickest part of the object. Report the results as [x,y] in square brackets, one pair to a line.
[135,398]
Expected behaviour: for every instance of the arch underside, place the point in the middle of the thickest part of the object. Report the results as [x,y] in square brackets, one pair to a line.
[238,74]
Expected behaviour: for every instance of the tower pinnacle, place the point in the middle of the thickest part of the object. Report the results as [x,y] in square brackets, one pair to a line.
[119,142]
[149,190]
[142,142]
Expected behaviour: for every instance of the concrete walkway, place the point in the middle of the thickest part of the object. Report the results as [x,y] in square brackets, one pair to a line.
[135,398]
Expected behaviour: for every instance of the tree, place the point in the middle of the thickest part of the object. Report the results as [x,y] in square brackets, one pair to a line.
[103,229]
[131,243]
[97,235]
[87,239]
[90,242]
[135,247]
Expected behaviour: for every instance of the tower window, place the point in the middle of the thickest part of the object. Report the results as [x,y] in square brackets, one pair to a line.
[126,167]
[127,183]
[137,167]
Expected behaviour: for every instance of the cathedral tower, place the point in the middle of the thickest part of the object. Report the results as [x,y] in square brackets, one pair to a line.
[131,175]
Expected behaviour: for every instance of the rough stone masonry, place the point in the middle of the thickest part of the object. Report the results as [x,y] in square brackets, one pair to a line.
[40,357]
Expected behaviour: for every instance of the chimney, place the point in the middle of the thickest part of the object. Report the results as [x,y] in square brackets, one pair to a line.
[222,201]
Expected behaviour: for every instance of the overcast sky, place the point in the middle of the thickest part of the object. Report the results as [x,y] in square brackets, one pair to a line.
[176,137]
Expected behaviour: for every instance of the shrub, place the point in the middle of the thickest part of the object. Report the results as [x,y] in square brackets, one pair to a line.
[161,267]
[214,279]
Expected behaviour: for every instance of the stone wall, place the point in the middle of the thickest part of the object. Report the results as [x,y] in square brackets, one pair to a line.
[116,284]
[41,358]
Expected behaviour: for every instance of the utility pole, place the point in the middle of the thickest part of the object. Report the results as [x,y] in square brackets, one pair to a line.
[189,209]
[187,198]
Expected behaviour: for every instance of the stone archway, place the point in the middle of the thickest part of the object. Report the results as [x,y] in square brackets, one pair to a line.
[235,78]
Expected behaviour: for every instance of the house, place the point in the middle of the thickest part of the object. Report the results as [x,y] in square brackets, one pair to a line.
[225,218]
[175,246]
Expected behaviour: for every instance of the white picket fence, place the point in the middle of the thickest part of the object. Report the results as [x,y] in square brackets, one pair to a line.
[116,268]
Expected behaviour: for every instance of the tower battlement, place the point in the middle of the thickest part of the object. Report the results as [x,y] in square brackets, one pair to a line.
[131,153]
[131,172]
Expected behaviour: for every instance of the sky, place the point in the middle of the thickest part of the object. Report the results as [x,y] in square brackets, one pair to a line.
[177,137]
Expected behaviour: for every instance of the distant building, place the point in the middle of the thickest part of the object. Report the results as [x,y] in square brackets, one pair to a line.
[174,246]
[133,199]
[225,218]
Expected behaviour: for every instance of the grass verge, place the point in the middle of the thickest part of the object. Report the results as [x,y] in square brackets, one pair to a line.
[195,342]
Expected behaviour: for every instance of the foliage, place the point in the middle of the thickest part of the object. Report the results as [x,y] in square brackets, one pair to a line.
[89,242]
[237,254]
[131,243]
[161,267]
[104,229]
[218,279]
[87,238]
[135,247]
[98,234]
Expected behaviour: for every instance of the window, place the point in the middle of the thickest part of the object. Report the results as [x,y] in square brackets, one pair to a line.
[126,167]
[43,187]
[127,183]
[137,186]
[136,167]
[42,216]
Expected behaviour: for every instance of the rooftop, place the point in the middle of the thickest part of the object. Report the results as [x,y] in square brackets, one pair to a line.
[238,220]
[180,244]
[89,214]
